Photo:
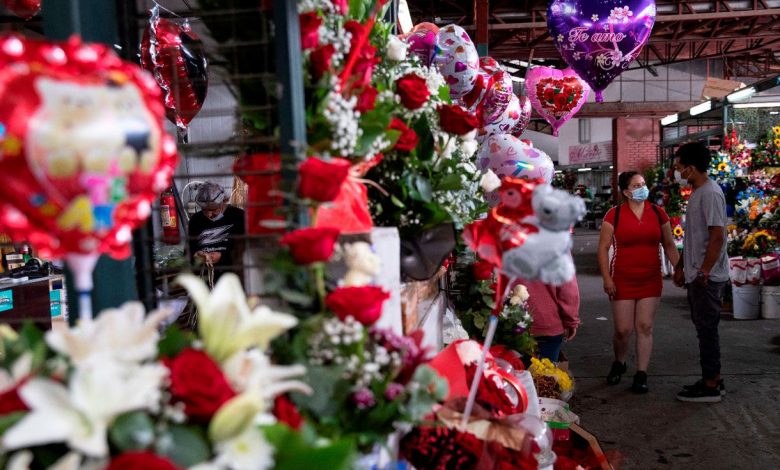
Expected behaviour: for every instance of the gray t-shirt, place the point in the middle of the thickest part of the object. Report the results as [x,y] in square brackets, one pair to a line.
[706,208]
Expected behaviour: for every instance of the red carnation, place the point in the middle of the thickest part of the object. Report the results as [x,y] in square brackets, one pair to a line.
[482,270]
[367,99]
[364,304]
[140,461]
[413,91]
[197,381]
[408,139]
[320,60]
[286,412]
[311,245]
[321,180]
[456,120]
[310,24]
[11,402]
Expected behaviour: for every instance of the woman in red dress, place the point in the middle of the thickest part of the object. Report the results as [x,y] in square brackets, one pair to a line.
[632,278]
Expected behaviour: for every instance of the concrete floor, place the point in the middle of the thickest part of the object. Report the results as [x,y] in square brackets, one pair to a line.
[655,431]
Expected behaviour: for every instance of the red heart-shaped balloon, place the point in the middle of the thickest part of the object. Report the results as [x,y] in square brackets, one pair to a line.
[81,132]
[175,56]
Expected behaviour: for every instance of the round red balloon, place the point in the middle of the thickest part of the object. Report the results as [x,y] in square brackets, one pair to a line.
[81,132]
[175,55]
[23,8]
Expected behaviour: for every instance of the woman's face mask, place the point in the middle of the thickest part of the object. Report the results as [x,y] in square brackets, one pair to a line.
[640,194]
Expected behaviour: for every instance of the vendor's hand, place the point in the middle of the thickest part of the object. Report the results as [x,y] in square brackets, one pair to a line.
[569,333]
[609,287]
[679,277]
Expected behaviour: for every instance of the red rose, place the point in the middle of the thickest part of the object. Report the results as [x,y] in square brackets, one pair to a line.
[367,99]
[320,60]
[549,94]
[482,270]
[408,139]
[342,6]
[310,24]
[10,401]
[364,304]
[321,180]
[140,461]
[366,56]
[286,412]
[413,91]
[197,381]
[561,101]
[456,120]
[311,245]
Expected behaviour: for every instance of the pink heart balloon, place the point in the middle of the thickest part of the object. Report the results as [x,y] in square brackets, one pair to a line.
[555,94]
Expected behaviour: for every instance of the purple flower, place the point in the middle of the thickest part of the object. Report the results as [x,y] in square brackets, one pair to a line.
[393,390]
[519,329]
[364,398]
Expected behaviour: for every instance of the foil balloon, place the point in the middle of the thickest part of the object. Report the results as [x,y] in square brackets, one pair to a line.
[81,132]
[457,60]
[525,117]
[23,8]
[508,156]
[422,42]
[556,95]
[600,39]
[487,67]
[175,56]
[498,95]
[508,120]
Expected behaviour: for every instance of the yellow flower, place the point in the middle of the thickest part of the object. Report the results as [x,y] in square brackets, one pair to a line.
[776,129]
[777,142]
[724,166]
[678,231]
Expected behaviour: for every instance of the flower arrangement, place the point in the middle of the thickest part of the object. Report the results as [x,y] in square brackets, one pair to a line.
[474,301]
[678,232]
[369,380]
[114,393]
[550,380]
[749,244]
[722,169]
[767,152]
[753,205]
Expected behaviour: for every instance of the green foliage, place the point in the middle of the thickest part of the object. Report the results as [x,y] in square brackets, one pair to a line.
[132,431]
[173,342]
[299,450]
[186,446]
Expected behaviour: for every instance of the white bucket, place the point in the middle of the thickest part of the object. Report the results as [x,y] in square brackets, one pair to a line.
[770,302]
[746,301]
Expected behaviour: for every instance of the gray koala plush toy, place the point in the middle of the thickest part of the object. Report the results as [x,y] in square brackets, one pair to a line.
[546,254]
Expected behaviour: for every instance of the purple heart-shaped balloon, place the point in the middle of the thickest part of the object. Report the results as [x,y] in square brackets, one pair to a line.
[600,39]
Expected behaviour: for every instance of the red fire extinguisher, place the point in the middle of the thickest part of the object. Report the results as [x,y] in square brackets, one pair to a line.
[170,219]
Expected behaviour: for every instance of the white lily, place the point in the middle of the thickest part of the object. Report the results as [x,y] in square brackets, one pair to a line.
[396,48]
[70,461]
[20,369]
[226,323]
[490,181]
[247,451]
[252,370]
[125,334]
[99,391]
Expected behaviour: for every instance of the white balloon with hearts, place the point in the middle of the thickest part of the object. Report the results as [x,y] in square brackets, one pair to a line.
[507,156]
[457,60]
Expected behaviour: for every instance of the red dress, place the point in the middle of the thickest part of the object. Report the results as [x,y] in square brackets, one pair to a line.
[636,264]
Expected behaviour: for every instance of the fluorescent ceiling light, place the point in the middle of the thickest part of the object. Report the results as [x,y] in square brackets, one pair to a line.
[741,95]
[582,170]
[766,104]
[701,108]
[670,119]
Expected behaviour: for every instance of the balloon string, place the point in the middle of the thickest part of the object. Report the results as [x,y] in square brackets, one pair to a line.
[478,374]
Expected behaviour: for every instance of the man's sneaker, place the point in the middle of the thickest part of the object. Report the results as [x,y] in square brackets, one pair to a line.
[701,394]
[700,382]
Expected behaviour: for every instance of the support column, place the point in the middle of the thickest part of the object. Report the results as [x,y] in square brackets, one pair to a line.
[481,12]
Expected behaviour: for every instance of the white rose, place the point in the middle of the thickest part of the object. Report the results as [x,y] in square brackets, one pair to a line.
[396,49]
[519,295]
[490,182]
[469,147]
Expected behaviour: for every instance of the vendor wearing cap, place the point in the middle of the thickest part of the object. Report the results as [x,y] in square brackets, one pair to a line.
[213,230]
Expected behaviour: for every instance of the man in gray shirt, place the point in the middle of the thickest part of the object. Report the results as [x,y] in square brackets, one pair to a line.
[703,268]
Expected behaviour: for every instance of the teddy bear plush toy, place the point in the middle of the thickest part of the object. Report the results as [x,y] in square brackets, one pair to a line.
[546,252]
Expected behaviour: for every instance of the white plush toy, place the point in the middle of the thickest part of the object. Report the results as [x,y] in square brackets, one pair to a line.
[546,254]
[362,264]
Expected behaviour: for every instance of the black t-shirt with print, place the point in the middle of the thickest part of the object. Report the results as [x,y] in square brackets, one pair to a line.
[217,235]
